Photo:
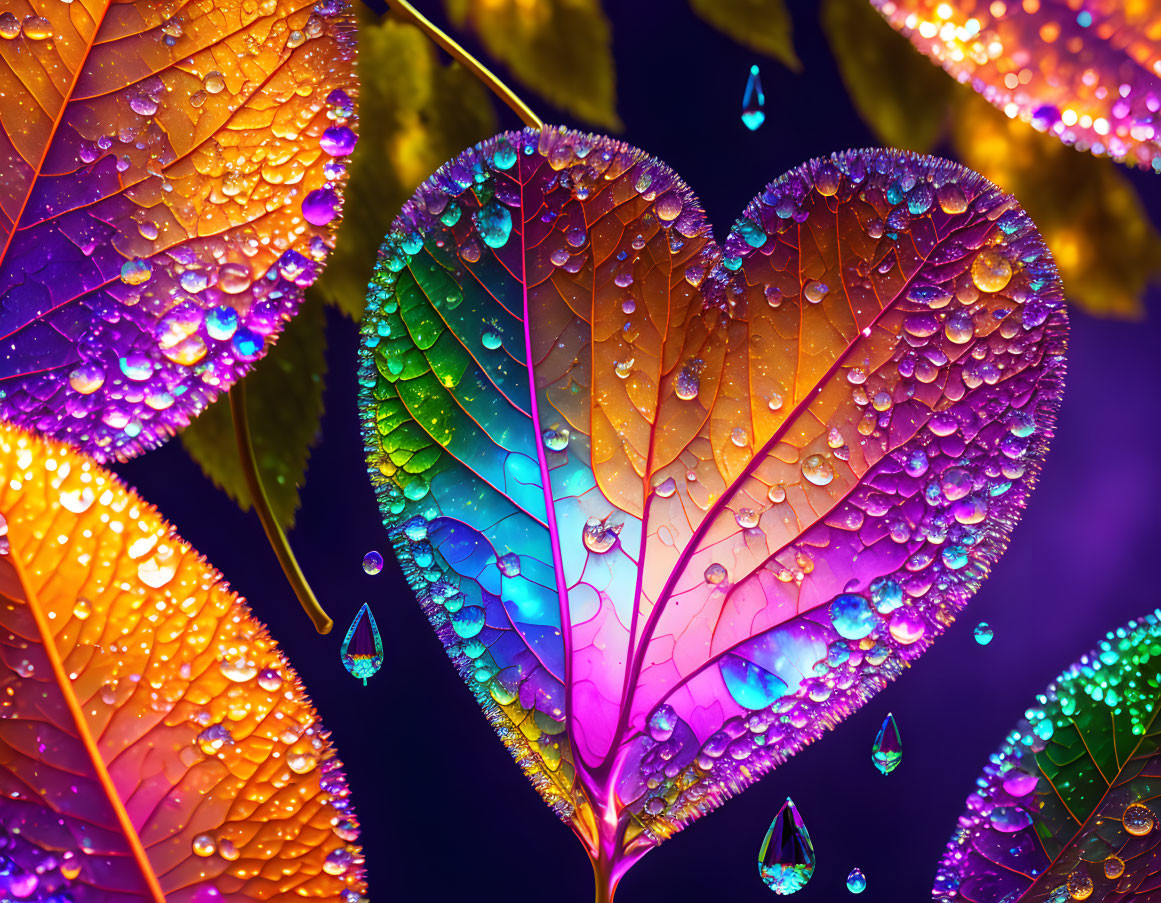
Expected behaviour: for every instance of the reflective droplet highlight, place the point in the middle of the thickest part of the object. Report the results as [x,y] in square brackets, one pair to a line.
[753,101]
[983,633]
[362,650]
[887,750]
[372,562]
[856,881]
[786,861]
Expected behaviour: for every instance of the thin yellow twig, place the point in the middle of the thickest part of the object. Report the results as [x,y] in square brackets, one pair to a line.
[261,501]
[482,72]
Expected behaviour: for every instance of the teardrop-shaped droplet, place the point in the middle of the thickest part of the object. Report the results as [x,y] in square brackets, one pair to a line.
[887,752]
[786,860]
[362,650]
[753,101]
[856,881]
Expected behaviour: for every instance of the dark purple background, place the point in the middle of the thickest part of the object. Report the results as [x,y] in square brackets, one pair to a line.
[446,814]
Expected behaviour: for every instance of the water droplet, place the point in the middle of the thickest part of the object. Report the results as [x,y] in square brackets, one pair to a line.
[786,860]
[494,223]
[777,494]
[746,518]
[1079,885]
[887,750]
[227,850]
[753,101]
[204,845]
[213,739]
[320,206]
[623,369]
[372,562]
[687,383]
[952,199]
[815,291]
[269,680]
[983,633]
[715,574]
[82,608]
[9,26]
[555,440]
[87,378]
[214,82]
[362,649]
[991,271]
[668,206]
[70,866]
[338,141]
[662,723]
[1114,867]
[856,881]
[135,272]
[817,470]
[852,616]
[37,28]
[509,564]
[338,861]
[740,436]
[886,594]
[1138,820]
[301,763]
[666,487]
[490,339]
[221,322]
[599,535]
[239,670]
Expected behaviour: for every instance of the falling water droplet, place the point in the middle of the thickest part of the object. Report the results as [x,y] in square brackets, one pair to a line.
[362,649]
[887,751]
[856,881]
[753,101]
[983,633]
[372,562]
[786,860]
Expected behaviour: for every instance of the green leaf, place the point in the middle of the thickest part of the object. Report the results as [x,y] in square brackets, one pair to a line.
[284,395]
[899,93]
[1089,213]
[561,49]
[761,25]
[414,113]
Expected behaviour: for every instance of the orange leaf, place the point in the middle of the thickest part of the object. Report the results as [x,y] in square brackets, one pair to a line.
[171,183]
[154,742]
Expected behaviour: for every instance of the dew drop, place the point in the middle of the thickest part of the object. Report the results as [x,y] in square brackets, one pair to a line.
[1114,867]
[204,845]
[135,272]
[746,518]
[87,378]
[740,436]
[887,750]
[1079,885]
[320,206]
[991,271]
[817,470]
[269,680]
[856,881]
[555,439]
[983,633]
[9,26]
[1138,819]
[372,562]
[951,198]
[37,28]
[815,291]
[82,608]
[509,564]
[599,536]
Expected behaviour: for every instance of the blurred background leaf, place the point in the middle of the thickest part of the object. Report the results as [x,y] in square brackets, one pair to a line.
[415,113]
[1106,247]
[560,49]
[284,394]
[761,25]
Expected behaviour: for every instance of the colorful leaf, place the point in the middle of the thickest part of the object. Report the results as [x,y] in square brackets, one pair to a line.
[416,112]
[1089,74]
[154,743]
[1066,808]
[561,49]
[761,25]
[285,395]
[172,180]
[677,508]
[1091,216]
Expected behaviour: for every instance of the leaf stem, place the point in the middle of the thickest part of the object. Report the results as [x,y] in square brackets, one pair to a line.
[261,502]
[405,10]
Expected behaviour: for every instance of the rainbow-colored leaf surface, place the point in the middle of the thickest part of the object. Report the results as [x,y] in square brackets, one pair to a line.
[1088,73]
[676,508]
[1067,808]
[171,181]
[154,743]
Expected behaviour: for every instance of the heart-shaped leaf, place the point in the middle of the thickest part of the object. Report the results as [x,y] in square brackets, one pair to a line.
[676,508]
[154,743]
[1089,74]
[1066,808]
[172,178]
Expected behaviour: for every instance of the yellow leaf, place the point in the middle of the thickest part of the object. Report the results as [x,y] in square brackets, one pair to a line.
[761,25]
[415,113]
[561,49]
[1089,213]
[897,90]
